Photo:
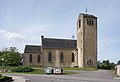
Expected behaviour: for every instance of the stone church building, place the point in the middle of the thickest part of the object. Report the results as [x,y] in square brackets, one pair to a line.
[67,52]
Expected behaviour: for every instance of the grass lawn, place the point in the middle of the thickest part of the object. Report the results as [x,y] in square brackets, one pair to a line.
[86,69]
[42,71]
[36,71]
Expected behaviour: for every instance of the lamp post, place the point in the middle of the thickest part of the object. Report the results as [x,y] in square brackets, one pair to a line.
[2,63]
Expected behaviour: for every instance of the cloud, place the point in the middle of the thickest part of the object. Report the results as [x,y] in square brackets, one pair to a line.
[28,34]
[10,35]
[33,28]
[12,39]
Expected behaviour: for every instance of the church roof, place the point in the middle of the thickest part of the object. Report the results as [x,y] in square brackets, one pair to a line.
[118,63]
[58,43]
[87,15]
[32,48]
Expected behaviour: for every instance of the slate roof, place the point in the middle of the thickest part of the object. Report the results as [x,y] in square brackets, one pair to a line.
[58,43]
[118,63]
[32,48]
[88,15]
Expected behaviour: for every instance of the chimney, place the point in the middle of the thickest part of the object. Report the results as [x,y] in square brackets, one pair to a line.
[42,37]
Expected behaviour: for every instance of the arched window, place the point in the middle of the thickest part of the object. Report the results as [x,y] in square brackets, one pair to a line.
[61,57]
[92,22]
[89,62]
[39,58]
[30,58]
[50,57]
[72,58]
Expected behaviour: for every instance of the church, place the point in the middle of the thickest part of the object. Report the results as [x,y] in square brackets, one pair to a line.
[67,52]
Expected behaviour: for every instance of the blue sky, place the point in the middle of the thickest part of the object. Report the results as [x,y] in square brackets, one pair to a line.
[24,21]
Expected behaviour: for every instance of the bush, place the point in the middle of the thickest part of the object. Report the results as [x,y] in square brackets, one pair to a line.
[22,69]
[105,65]
[5,78]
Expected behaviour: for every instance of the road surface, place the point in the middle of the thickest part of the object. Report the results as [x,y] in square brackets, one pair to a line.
[84,76]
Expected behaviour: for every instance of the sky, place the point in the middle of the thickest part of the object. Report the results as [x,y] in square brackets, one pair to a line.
[24,21]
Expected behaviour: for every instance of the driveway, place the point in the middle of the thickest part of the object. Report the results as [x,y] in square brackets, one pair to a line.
[84,76]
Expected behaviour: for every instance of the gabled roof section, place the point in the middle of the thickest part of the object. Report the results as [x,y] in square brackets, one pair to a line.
[58,43]
[32,48]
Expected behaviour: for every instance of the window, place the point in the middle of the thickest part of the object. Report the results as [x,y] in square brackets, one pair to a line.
[81,41]
[50,57]
[79,23]
[61,57]
[30,58]
[89,62]
[90,22]
[81,49]
[73,57]
[39,58]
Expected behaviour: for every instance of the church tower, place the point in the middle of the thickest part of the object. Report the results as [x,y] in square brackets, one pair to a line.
[87,40]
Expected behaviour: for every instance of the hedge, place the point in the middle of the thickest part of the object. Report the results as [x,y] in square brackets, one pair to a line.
[22,69]
[5,78]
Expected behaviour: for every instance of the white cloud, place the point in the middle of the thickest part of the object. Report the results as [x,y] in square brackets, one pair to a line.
[33,28]
[12,39]
[10,35]
[29,34]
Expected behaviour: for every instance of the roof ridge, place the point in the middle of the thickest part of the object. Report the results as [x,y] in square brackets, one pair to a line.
[59,39]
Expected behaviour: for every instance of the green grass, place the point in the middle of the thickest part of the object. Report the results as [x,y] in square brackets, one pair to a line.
[69,72]
[36,71]
[41,71]
[86,69]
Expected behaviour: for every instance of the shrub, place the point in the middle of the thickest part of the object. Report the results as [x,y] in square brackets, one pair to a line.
[22,69]
[5,78]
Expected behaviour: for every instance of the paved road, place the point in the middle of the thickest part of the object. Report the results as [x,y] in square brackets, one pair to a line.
[84,76]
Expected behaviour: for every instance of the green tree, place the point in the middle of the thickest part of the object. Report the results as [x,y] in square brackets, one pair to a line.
[105,64]
[11,56]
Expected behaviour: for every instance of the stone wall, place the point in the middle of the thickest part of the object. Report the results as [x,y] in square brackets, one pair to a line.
[118,70]
[67,62]
[34,62]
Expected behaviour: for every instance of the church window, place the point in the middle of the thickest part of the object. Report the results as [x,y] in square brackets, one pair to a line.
[61,57]
[81,49]
[39,58]
[50,57]
[30,58]
[90,22]
[89,62]
[73,58]
[79,23]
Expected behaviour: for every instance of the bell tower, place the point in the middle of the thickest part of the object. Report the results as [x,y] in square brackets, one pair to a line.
[87,40]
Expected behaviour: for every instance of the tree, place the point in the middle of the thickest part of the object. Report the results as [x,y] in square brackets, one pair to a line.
[11,56]
[105,65]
